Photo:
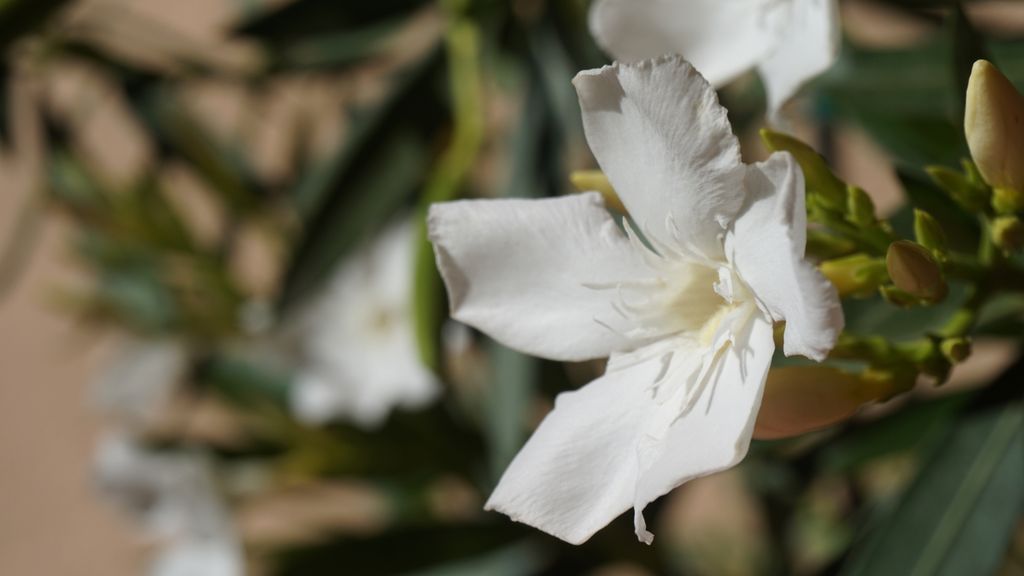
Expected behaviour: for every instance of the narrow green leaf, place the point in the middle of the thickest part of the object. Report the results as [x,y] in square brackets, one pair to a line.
[320,180]
[333,50]
[299,20]
[517,560]
[373,193]
[509,396]
[421,547]
[447,178]
[958,515]
[960,227]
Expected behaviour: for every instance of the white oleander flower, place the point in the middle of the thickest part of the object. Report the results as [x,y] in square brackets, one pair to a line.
[788,41]
[361,348]
[139,385]
[686,318]
[175,497]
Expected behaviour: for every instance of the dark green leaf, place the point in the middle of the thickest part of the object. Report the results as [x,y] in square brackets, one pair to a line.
[373,193]
[958,515]
[420,547]
[509,397]
[961,229]
[319,181]
[303,19]
[913,428]
[333,50]
[517,560]
[875,316]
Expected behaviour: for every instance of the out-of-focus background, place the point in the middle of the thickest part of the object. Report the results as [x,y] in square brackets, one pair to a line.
[55,348]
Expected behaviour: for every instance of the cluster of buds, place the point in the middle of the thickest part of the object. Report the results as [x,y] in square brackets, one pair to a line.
[864,257]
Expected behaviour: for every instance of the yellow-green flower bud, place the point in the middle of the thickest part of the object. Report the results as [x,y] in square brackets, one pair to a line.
[820,180]
[800,399]
[1008,233]
[928,231]
[596,181]
[914,270]
[856,275]
[897,297]
[994,125]
[824,246]
[973,196]
[860,208]
[956,350]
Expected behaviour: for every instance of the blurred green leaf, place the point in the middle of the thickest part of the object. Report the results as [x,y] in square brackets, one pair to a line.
[518,560]
[961,229]
[1002,315]
[245,380]
[69,183]
[137,297]
[462,43]
[875,316]
[333,50]
[509,397]
[223,168]
[958,515]
[400,551]
[298,21]
[367,126]
[373,192]
[916,427]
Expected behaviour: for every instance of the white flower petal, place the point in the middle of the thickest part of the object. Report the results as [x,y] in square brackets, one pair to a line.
[715,434]
[139,385]
[722,39]
[362,354]
[539,276]
[579,469]
[198,557]
[666,145]
[612,445]
[809,46]
[174,494]
[767,247]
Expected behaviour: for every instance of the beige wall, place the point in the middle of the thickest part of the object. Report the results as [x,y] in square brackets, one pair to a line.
[51,522]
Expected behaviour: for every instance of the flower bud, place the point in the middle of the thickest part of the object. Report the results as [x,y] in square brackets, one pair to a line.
[914,270]
[1008,233]
[856,275]
[969,192]
[860,208]
[994,125]
[956,350]
[596,181]
[928,231]
[821,183]
[897,297]
[800,399]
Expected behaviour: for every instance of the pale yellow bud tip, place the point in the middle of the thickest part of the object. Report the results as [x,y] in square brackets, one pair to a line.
[596,181]
[994,125]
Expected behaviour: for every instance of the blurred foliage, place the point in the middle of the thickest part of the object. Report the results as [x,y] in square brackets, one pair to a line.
[483,107]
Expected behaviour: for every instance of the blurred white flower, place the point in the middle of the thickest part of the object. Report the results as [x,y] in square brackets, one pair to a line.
[687,320]
[175,497]
[140,383]
[788,41]
[362,355]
